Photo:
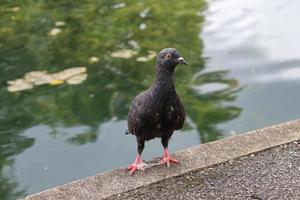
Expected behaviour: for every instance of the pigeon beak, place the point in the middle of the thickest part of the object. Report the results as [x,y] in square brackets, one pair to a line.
[182,61]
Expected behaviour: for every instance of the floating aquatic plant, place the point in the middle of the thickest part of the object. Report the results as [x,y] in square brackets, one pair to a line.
[72,76]
[124,53]
[151,55]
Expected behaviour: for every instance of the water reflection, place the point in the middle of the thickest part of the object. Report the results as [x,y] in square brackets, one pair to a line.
[39,37]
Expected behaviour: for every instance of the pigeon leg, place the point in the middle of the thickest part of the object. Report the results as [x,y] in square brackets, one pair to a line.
[166,157]
[135,165]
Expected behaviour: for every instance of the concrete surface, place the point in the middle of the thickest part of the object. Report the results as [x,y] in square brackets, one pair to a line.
[193,159]
[270,174]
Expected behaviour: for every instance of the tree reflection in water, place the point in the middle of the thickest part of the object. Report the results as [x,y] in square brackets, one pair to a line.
[52,36]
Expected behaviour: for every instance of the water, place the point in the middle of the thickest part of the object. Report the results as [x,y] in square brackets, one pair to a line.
[257,42]
[243,74]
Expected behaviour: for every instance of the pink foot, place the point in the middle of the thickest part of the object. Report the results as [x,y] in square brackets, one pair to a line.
[167,158]
[135,165]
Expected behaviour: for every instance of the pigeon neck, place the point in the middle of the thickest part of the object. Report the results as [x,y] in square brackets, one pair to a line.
[164,76]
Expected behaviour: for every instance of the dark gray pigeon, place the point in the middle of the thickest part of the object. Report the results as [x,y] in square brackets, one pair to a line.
[158,111]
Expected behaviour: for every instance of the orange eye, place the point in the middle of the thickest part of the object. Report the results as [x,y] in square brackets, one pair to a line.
[168,56]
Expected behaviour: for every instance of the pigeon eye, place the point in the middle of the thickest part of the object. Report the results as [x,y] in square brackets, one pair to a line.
[168,56]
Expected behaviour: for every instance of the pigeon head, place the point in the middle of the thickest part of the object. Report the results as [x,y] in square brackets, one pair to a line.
[168,58]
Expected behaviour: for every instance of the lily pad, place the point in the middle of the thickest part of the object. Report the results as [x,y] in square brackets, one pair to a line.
[93,60]
[19,85]
[151,55]
[38,77]
[60,23]
[77,79]
[55,31]
[56,82]
[67,73]
[73,76]
[125,53]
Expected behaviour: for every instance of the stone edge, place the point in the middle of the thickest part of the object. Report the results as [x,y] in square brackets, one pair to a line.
[200,156]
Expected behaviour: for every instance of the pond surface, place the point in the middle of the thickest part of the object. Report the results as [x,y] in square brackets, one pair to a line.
[243,74]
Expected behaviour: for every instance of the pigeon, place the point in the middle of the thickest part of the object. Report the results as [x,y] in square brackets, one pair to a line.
[158,111]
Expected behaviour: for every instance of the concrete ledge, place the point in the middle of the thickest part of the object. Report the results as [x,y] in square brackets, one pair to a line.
[201,156]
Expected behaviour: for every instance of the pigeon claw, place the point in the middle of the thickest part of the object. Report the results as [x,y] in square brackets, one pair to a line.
[134,167]
[168,160]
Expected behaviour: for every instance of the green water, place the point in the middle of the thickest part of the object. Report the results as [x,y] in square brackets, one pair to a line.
[52,134]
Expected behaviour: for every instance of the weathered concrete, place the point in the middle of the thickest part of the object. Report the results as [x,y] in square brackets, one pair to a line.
[270,174]
[192,159]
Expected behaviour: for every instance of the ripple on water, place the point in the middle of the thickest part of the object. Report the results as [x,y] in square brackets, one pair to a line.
[251,37]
